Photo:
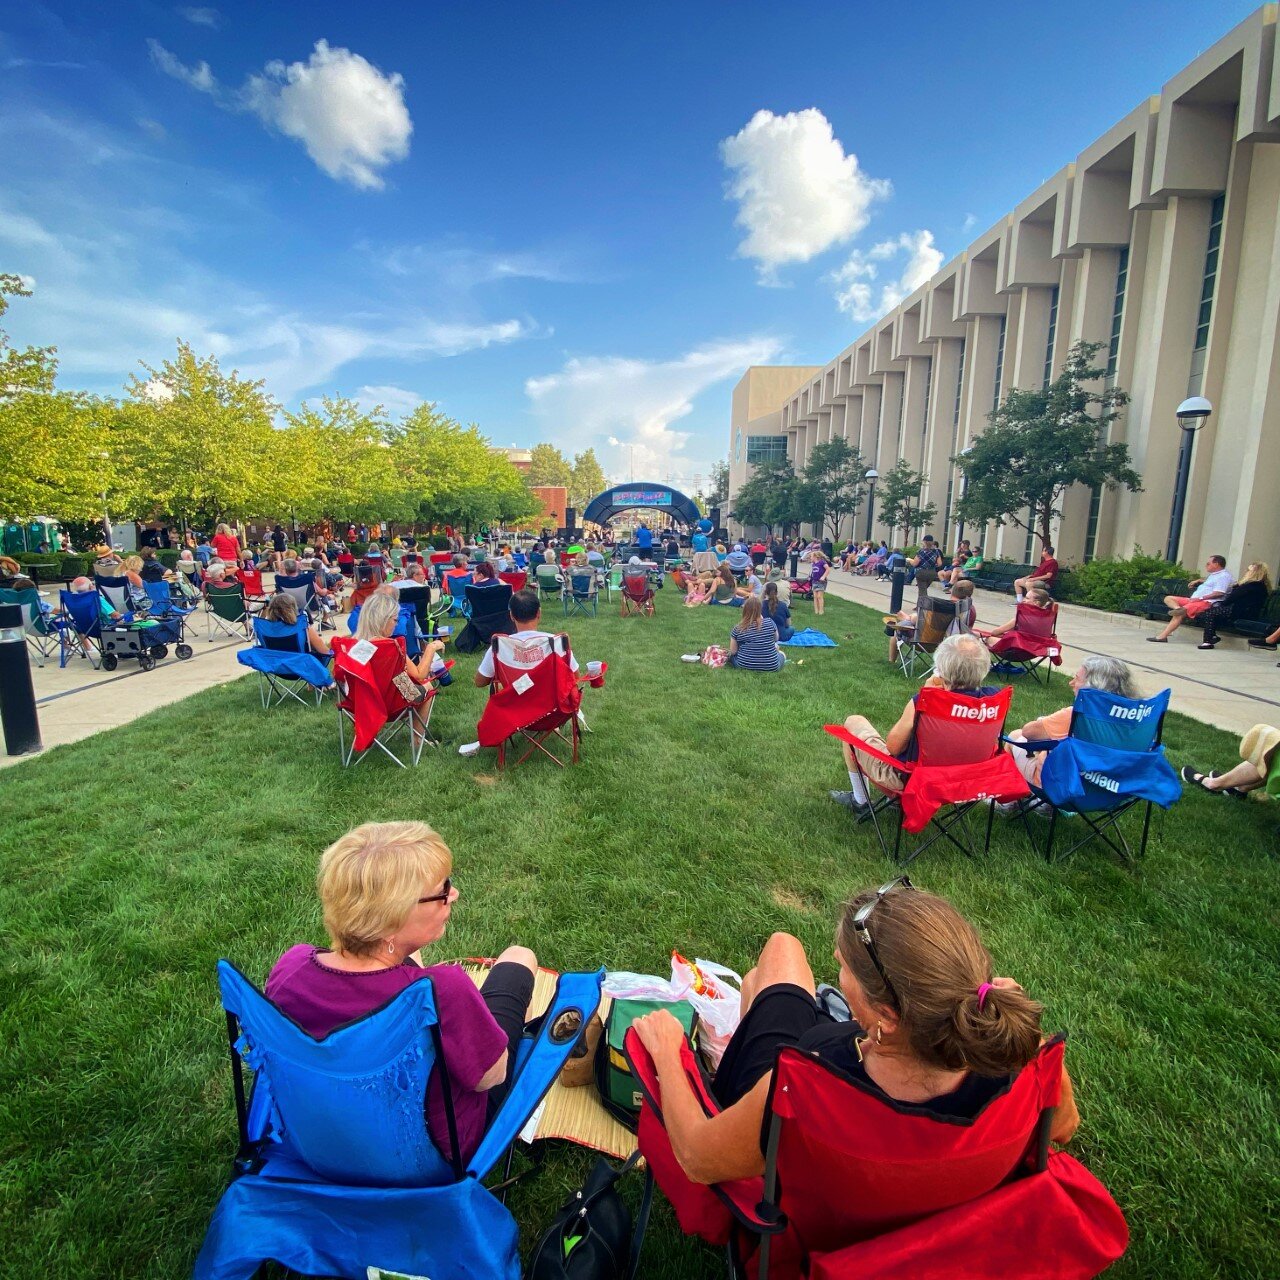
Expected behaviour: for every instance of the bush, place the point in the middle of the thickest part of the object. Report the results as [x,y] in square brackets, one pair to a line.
[168,556]
[64,566]
[439,542]
[1110,583]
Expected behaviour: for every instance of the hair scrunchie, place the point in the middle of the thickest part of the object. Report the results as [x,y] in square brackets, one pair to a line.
[982,994]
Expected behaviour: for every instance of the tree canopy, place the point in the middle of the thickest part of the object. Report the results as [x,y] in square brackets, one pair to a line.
[548,466]
[769,496]
[1040,443]
[899,492]
[588,478]
[834,486]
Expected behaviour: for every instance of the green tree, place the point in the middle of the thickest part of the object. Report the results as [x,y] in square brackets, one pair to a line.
[834,483]
[768,497]
[588,478]
[198,442]
[899,493]
[718,485]
[548,466]
[1040,443]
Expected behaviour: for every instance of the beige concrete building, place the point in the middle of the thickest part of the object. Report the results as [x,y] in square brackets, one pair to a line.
[1161,240]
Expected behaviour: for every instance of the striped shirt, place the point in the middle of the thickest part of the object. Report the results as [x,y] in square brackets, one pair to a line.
[758,647]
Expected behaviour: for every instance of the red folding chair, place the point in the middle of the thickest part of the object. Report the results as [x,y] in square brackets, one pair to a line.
[859,1187]
[959,764]
[637,595]
[534,697]
[255,594]
[371,705]
[1032,644]
[516,580]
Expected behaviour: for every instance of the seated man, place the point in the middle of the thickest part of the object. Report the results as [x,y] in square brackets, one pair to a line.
[961,594]
[414,576]
[1045,575]
[961,664]
[739,559]
[1246,600]
[1215,584]
[525,612]
[893,560]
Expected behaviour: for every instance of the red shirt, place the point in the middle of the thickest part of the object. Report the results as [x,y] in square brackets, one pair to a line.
[1047,568]
[225,547]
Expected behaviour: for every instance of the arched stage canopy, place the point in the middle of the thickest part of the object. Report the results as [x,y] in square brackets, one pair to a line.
[653,497]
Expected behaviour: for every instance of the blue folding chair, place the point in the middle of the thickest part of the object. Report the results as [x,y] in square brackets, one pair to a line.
[406,627]
[1111,760]
[286,667]
[171,613]
[79,626]
[336,1172]
[580,593]
[37,624]
[457,585]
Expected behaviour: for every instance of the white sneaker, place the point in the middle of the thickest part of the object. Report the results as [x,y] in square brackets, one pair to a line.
[468,748]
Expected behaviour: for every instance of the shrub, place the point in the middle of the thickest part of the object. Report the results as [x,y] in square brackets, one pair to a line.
[439,542]
[168,556]
[1110,583]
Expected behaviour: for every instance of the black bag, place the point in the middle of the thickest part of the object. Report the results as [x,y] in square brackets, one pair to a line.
[591,1236]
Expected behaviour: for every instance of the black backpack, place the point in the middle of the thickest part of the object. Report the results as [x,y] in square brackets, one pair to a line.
[591,1236]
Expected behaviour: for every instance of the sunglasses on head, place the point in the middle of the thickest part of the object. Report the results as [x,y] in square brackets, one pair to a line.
[864,933]
[443,896]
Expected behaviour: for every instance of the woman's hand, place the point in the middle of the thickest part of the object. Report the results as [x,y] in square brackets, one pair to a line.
[661,1034]
[1006,984]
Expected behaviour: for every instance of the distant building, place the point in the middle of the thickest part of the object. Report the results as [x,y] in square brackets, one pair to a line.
[1161,241]
[521,459]
[554,499]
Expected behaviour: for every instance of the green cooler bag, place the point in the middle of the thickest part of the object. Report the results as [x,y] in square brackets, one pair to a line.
[618,1089]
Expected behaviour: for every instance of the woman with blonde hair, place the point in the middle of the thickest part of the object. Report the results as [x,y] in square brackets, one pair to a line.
[1247,599]
[933,1029]
[753,643]
[378,617]
[387,891]
[225,544]
[135,590]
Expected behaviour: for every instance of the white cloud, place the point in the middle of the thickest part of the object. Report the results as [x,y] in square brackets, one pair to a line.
[397,401]
[201,17]
[152,128]
[856,294]
[970,221]
[798,192]
[199,77]
[625,407]
[41,64]
[462,267]
[350,117]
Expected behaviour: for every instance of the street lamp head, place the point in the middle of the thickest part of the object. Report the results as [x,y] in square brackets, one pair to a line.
[873,474]
[1192,413]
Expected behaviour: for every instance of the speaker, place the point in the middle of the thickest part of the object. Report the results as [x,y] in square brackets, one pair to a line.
[570,517]
[714,516]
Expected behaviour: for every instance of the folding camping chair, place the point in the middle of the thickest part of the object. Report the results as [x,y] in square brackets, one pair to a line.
[286,667]
[936,619]
[371,705]
[517,581]
[1032,644]
[488,615]
[580,592]
[336,1172]
[171,616]
[637,595]
[533,698]
[78,623]
[37,626]
[226,611]
[456,585]
[115,591]
[549,580]
[1111,760]
[857,1186]
[418,598]
[959,764]
[255,594]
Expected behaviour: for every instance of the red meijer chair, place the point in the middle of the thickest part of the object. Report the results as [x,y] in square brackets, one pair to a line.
[959,764]
[859,1187]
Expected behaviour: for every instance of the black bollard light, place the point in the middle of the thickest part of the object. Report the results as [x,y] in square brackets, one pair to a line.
[795,563]
[17,694]
[895,591]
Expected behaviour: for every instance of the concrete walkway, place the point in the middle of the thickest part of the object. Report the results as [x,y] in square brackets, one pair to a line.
[1233,687]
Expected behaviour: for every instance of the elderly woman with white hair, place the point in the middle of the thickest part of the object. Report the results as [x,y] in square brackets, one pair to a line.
[387,892]
[961,664]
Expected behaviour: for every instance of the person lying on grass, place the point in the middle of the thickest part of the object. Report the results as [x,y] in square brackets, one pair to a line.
[753,643]
[387,891]
[961,664]
[1259,767]
[933,1027]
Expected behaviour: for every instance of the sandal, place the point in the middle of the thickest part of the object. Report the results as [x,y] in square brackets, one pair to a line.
[1157,640]
[1201,780]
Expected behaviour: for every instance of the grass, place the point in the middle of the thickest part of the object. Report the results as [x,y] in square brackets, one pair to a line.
[699,820]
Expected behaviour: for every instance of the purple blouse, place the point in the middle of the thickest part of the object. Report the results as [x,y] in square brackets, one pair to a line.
[320,999]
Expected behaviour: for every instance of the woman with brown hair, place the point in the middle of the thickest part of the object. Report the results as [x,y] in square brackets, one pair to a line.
[724,588]
[932,1027]
[753,643]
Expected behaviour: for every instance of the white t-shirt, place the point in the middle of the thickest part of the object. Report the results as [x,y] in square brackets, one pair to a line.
[1222,580]
[485,669]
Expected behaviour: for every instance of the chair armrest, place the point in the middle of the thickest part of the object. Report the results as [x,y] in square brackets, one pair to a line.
[1032,747]
[839,731]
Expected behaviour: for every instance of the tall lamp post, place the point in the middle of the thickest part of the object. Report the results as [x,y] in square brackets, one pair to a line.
[872,476]
[1192,415]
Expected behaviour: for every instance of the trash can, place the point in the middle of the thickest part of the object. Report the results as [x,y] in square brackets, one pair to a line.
[895,591]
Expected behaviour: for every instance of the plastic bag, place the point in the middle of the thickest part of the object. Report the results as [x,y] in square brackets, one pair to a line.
[621,985]
[706,986]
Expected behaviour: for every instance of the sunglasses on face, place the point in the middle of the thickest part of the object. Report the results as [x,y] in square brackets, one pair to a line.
[864,933]
[443,896]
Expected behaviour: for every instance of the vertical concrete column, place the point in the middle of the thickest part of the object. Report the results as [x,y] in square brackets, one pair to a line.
[979,375]
[886,444]
[941,432]
[915,385]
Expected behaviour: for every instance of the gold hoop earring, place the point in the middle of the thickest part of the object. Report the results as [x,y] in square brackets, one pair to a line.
[391,948]
[878,1032]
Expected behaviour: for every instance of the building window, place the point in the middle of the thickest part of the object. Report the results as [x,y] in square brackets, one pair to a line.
[1203,317]
[1053,333]
[766,449]
[928,394]
[1031,535]
[902,403]
[995,390]
[737,448]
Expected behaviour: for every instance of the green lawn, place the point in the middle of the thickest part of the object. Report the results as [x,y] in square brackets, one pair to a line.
[699,820]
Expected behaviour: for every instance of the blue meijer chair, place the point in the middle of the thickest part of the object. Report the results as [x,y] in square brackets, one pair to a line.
[1111,761]
[284,662]
[336,1172]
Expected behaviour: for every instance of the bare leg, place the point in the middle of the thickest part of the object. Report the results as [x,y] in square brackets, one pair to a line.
[782,961]
[1244,777]
[1175,621]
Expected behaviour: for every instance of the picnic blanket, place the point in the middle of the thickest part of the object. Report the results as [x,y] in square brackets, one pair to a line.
[810,639]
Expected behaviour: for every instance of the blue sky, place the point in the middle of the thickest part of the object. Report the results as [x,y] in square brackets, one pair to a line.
[562,221]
